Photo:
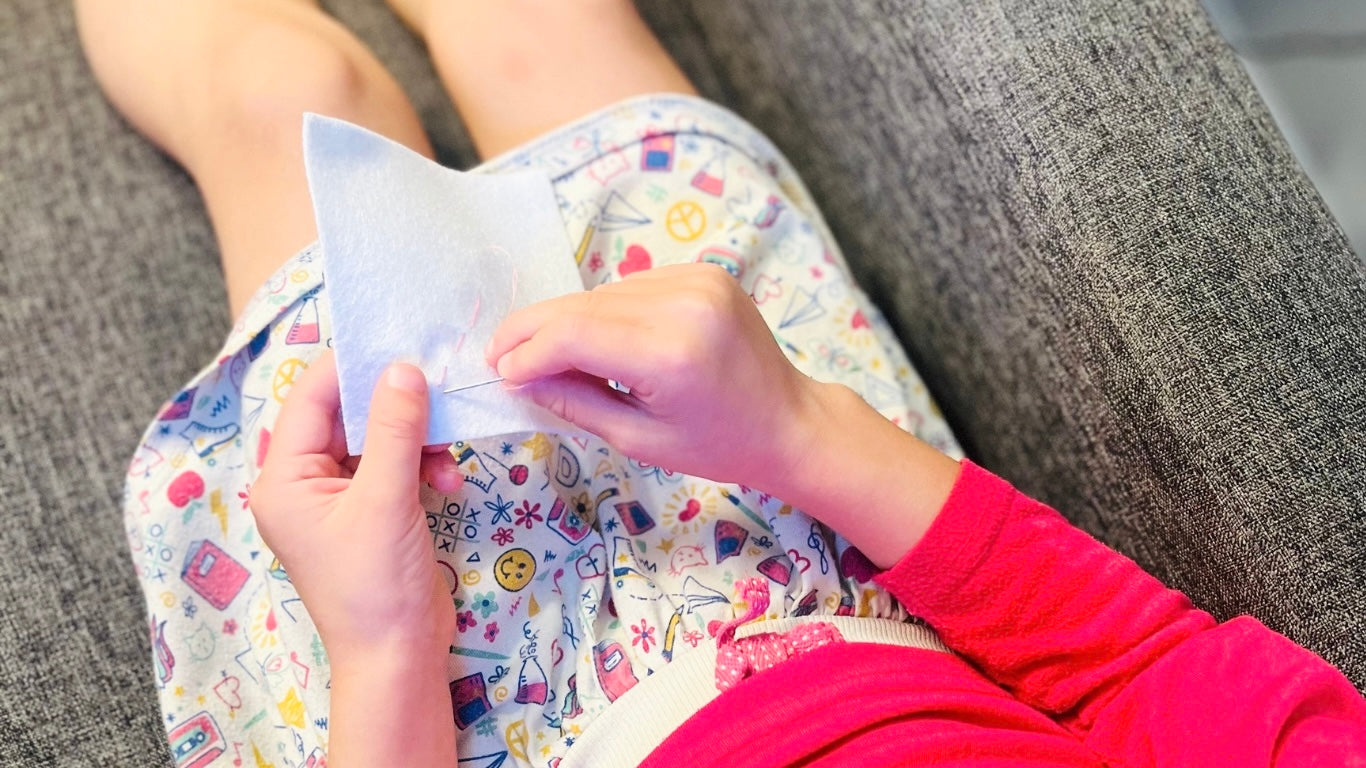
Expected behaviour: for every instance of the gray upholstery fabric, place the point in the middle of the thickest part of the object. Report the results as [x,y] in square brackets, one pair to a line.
[1108,268]
[1099,252]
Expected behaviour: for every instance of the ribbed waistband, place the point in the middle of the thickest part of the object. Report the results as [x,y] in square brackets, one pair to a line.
[640,719]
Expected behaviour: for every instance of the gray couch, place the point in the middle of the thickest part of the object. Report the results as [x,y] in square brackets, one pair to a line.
[1098,250]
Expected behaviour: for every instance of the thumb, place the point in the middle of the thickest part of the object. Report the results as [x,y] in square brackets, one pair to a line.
[394,434]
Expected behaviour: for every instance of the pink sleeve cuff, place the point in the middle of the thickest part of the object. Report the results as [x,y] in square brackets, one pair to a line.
[960,539]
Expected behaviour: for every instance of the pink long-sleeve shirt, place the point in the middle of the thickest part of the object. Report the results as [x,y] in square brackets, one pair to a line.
[1068,655]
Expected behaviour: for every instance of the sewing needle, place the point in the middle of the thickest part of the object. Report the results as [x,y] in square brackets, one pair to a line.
[472,386]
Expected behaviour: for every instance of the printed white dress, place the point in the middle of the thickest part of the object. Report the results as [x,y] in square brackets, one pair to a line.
[575,571]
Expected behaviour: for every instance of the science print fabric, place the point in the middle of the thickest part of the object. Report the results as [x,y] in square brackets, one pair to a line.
[575,571]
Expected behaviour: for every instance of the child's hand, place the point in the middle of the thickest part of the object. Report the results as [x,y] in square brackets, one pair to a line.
[352,535]
[710,392]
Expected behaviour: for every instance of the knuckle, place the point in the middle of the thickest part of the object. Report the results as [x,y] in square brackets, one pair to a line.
[565,408]
[592,304]
[398,413]
[680,358]
[715,275]
[260,496]
[513,365]
[705,306]
[263,501]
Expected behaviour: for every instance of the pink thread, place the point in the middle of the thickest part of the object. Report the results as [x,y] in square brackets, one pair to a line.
[479,304]
[737,659]
[474,316]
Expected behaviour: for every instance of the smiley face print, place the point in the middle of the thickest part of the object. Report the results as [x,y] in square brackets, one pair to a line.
[514,569]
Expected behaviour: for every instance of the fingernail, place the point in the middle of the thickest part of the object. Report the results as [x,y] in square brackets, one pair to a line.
[406,378]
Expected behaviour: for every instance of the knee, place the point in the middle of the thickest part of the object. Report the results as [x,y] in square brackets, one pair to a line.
[264,79]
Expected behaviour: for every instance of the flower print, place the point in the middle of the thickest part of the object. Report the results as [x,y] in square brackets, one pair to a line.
[692,637]
[582,506]
[503,537]
[644,635]
[529,514]
[465,620]
[500,509]
[245,496]
[491,631]
[485,604]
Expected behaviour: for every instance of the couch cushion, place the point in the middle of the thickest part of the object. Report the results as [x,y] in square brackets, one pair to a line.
[1100,254]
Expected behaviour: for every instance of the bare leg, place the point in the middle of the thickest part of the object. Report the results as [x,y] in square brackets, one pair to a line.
[221,85]
[517,68]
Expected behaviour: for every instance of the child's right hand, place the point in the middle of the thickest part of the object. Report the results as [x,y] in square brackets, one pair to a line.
[711,394]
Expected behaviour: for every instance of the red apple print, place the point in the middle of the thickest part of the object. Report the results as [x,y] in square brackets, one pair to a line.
[690,510]
[185,488]
[637,259]
[858,320]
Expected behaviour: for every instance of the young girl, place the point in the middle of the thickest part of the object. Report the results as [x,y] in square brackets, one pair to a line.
[745,569]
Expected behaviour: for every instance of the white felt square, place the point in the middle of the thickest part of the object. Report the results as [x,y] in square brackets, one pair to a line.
[421,264]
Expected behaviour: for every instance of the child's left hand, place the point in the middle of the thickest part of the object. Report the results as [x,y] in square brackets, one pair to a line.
[711,394]
[351,533]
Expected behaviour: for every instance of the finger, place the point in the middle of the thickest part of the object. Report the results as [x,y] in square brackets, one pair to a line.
[588,344]
[612,301]
[590,404]
[391,463]
[520,324]
[440,471]
[308,419]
